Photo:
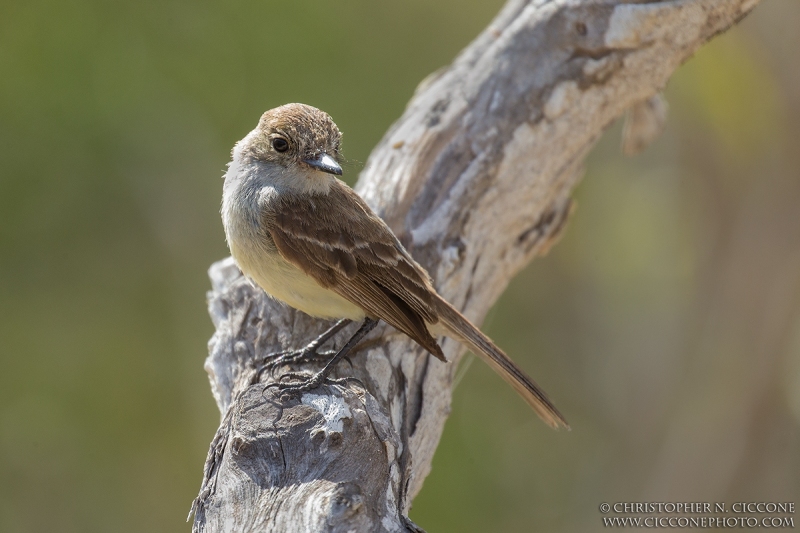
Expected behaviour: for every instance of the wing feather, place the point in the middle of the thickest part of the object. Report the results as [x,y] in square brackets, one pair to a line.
[345,247]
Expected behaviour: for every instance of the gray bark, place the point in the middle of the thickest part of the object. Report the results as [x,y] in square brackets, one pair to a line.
[475,179]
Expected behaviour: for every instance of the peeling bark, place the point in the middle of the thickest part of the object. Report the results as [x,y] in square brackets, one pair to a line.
[475,178]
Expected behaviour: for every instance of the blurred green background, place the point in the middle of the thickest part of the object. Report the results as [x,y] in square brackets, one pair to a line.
[666,324]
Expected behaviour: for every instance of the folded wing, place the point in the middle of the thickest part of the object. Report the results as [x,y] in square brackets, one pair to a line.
[356,255]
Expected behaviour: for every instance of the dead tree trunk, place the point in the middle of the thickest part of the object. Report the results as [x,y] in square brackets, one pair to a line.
[475,178]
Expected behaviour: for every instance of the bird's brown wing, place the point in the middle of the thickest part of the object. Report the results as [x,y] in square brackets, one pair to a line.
[337,240]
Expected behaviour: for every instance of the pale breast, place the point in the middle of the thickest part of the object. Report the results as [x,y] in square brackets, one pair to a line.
[248,191]
[287,283]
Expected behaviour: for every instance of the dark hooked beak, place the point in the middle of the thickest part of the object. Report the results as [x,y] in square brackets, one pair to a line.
[325,163]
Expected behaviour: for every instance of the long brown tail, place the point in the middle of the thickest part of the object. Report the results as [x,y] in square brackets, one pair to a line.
[463,330]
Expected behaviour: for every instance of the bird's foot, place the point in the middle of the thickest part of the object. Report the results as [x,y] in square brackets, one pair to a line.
[291,357]
[305,383]
[309,353]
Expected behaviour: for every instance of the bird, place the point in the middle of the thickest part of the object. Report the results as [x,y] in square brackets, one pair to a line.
[309,240]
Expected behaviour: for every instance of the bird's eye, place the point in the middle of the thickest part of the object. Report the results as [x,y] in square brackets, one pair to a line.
[280,144]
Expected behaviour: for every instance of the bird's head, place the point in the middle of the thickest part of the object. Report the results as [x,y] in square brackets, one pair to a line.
[297,137]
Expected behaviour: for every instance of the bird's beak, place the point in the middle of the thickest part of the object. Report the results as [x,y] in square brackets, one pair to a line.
[325,163]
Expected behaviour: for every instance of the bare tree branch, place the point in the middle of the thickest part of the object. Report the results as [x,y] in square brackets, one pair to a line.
[475,178]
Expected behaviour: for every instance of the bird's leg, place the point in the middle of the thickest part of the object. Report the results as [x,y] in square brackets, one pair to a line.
[310,351]
[309,383]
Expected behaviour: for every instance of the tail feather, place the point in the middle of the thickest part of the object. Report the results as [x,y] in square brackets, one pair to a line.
[458,325]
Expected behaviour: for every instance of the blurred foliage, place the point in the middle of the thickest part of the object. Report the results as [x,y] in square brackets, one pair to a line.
[665,325]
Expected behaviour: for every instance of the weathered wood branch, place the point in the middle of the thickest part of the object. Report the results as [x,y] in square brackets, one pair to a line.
[475,178]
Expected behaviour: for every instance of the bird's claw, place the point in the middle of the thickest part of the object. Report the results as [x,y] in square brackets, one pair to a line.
[290,357]
[303,384]
[306,383]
